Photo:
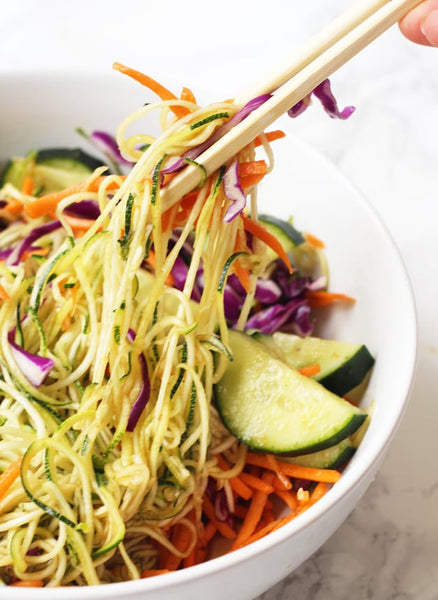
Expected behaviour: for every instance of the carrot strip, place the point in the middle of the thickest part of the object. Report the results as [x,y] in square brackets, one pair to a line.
[252,167]
[263,234]
[151,261]
[248,181]
[221,526]
[44,205]
[320,490]
[256,483]
[271,136]
[243,275]
[284,481]
[310,370]
[161,91]
[237,485]
[3,293]
[181,538]
[323,298]
[297,471]
[254,514]
[289,498]
[188,95]
[27,185]
[313,240]
[28,583]
[153,572]
[209,533]
[14,207]
[9,475]
[79,225]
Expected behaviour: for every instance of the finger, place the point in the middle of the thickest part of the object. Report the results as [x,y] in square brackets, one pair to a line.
[420,24]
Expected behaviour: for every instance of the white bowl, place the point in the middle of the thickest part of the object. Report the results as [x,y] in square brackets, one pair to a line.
[41,110]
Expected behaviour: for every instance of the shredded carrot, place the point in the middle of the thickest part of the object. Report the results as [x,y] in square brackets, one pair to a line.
[252,167]
[180,538]
[255,510]
[188,95]
[161,91]
[282,480]
[271,136]
[45,205]
[153,572]
[323,298]
[289,498]
[292,470]
[310,370]
[9,475]
[27,185]
[320,489]
[223,528]
[237,485]
[256,483]
[313,240]
[243,275]
[3,293]
[28,583]
[151,261]
[14,207]
[251,173]
[265,236]
[43,251]
[79,225]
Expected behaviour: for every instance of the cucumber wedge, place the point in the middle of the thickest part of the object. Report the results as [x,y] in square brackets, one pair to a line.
[343,365]
[334,457]
[271,407]
[51,169]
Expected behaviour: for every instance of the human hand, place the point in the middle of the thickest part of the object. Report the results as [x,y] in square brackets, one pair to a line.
[420,25]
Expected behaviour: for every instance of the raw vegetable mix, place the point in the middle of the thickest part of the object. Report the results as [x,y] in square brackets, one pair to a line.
[121,318]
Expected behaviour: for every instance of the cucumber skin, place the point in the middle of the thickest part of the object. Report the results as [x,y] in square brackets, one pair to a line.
[351,374]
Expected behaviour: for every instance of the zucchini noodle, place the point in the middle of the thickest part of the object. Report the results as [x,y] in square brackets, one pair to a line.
[98,494]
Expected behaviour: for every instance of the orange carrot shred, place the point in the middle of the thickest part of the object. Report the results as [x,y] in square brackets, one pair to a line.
[310,370]
[263,234]
[256,483]
[27,185]
[161,91]
[271,136]
[14,207]
[323,298]
[9,475]
[3,293]
[188,95]
[154,572]
[221,526]
[28,583]
[314,241]
[293,470]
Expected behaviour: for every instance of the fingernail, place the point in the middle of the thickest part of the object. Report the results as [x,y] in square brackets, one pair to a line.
[429,27]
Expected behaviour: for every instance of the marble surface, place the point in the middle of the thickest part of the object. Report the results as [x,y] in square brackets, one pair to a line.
[387,549]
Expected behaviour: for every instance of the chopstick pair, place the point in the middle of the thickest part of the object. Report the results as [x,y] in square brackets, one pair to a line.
[319,58]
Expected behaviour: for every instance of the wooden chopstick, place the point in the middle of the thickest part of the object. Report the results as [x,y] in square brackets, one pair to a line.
[328,51]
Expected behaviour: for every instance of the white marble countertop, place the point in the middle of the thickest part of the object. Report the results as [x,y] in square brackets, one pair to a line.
[388,547]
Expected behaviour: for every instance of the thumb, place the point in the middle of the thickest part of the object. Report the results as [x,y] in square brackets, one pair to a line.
[420,25]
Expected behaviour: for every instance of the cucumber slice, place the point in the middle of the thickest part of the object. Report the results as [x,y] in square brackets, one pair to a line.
[52,169]
[271,407]
[343,365]
[334,457]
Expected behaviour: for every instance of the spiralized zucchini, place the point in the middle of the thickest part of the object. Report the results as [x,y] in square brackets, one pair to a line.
[97,494]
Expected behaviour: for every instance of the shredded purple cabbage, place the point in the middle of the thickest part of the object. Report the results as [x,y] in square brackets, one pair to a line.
[325,95]
[107,144]
[143,395]
[35,368]
[233,191]
[15,256]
